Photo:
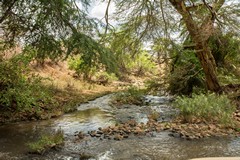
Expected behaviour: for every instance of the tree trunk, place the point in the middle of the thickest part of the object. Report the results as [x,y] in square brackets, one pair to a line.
[200,35]
[209,67]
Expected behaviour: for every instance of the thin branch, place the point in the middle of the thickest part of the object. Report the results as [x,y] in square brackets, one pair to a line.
[164,20]
[106,16]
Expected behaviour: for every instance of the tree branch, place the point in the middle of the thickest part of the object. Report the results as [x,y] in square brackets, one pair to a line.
[7,11]
[106,16]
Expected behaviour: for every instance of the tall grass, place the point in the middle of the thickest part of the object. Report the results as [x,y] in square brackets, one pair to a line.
[209,107]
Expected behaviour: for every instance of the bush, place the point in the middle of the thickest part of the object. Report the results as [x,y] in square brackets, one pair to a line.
[184,79]
[208,107]
[77,64]
[154,86]
[18,89]
[132,96]
[142,64]
[226,76]
[186,74]
[104,77]
[47,142]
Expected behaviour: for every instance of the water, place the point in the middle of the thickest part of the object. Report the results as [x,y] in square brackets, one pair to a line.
[98,113]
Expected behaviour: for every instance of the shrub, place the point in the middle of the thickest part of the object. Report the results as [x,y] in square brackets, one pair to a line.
[104,77]
[132,96]
[184,79]
[19,90]
[154,86]
[209,107]
[77,64]
[186,74]
[226,76]
[142,64]
[46,142]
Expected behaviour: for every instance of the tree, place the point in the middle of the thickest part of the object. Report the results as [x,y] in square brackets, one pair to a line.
[151,19]
[53,29]
[200,32]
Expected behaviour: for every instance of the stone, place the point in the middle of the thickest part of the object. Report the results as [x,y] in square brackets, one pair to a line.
[99,132]
[93,133]
[125,136]
[132,123]
[118,137]
[98,135]
[81,135]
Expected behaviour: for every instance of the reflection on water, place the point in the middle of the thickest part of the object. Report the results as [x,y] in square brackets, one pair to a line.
[85,120]
[13,137]
[164,147]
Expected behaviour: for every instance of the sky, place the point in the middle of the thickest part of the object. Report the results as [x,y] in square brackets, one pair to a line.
[98,9]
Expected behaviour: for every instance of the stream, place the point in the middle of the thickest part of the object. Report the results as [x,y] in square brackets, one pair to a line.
[98,113]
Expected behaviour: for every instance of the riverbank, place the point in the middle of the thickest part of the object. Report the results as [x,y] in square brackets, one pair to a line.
[66,93]
[141,137]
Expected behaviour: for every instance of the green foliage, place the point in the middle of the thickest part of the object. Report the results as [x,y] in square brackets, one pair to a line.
[46,142]
[209,107]
[225,47]
[225,76]
[54,30]
[104,77]
[132,96]
[186,74]
[142,64]
[77,64]
[153,86]
[91,53]
[19,90]
[130,56]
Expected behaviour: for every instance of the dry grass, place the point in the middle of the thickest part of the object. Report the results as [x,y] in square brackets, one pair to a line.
[67,90]
[60,77]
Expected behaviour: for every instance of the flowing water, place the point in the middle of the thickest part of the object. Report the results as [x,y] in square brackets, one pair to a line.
[98,113]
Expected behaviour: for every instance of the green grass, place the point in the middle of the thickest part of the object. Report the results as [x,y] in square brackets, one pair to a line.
[46,142]
[132,96]
[209,107]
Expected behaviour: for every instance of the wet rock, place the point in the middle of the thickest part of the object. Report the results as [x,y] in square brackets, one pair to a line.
[138,131]
[106,136]
[125,136]
[118,137]
[132,123]
[176,135]
[80,135]
[85,156]
[98,135]
[93,133]
[192,137]
[158,129]
[100,132]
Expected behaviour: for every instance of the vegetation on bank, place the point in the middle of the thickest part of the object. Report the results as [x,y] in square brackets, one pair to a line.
[132,95]
[33,94]
[46,142]
[208,107]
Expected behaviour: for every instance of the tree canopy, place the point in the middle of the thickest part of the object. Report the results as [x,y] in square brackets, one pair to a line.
[54,29]
[59,28]
[196,19]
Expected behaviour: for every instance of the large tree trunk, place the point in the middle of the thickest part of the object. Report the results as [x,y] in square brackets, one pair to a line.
[200,34]
[209,67]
